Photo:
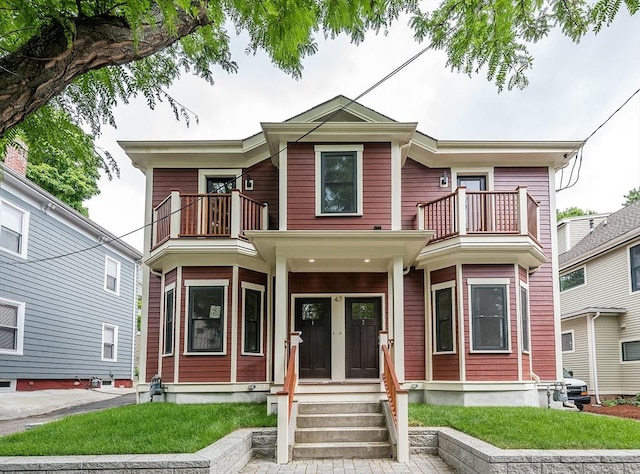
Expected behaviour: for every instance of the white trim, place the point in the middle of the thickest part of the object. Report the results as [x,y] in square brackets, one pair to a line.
[428,355]
[554,271]
[106,266]
[283,205]
[573,341]
[358,149]
[622,341]
[115,342]
[396,186]
[462,362]
[167,288]
[245,285]
[442,286]
[628,249]
[234,323]
[584,271]
[526,287]
[497,282]
[24,231]
[225,315]
[203,174]
[20,306]
[177,319]
[486,171]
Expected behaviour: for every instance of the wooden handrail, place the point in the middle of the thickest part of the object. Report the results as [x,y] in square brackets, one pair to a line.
[391,384]
[289,387]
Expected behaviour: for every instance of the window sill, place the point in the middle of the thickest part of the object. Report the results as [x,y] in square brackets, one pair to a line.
[490,351]
[15,353]
[23,255]
[445,353]
[252,354]
[204,353]
[340,214]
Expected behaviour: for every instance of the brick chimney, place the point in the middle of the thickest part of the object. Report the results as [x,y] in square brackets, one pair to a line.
[16,157]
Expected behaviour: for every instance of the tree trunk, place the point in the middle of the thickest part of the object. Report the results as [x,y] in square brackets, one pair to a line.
[48,63]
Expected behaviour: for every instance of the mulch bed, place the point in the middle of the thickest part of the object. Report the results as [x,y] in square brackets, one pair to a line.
[624,411]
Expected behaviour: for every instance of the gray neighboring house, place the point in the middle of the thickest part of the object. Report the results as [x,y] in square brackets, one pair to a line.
[63,320]
[600,300]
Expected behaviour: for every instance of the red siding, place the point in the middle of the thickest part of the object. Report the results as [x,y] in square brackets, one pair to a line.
[541,281]
[301,206]
[169,361]
[414,326]
[447,366]
[497,366]
[265,188]
[167,179]
[206,368]
[443,275]
[251,368]
[153,326]
[419,184]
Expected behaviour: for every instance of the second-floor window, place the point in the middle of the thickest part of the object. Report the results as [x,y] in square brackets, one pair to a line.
[572,279]
[112,275]
[634,260]
[13,229]
[339,180]
[567,341]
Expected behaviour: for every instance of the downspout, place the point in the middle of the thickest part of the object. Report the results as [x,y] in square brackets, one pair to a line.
[594,358]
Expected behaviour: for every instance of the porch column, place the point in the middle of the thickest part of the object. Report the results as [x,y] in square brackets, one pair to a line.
[280,326]
[398,317]
[176,204]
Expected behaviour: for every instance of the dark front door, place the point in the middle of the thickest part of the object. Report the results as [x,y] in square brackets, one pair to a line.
[362,325]
[313,318]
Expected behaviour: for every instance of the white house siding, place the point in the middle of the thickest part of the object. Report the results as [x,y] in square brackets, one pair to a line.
[608,286]
[578,360]
[65,302]
[563,244]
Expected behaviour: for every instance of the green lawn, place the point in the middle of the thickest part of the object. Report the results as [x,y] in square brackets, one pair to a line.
[532,428]
[150,428]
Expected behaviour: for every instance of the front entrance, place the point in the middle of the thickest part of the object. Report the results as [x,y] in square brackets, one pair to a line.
[340,336]
[313,318]
[363,317]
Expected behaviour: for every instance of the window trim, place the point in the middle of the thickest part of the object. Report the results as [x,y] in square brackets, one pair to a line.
[260,289]
[573,341]
[358,150]
[630,269]
[25,229]
[115,342]
[486,171]
[623,341]
[106,266]
[224,283]
[168,288]
[434,288]
[203,174]
[490,282]
[19,350]
[584,271]
[524,286]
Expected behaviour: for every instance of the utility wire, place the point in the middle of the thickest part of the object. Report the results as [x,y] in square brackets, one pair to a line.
[222,185]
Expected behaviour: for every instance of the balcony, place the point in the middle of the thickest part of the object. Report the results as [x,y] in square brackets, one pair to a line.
[206,216]
[482,226]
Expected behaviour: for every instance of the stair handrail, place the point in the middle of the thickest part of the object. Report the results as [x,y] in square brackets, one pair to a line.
[285,405]
[391,384]
[290,380]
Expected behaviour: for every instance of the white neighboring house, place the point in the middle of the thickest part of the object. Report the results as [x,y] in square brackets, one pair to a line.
[600,299]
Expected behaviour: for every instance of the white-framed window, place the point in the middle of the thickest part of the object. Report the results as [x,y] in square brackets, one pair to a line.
[634,264]
[111,275]
[489,314]
[252,319]
[567,341]
[219,181]
[206,328]
[444,316]
[11,327]
[339,180]
[573,279]
[169,318]
[109,342]
[14,229]
[630,350]
[474,178]
[525,334]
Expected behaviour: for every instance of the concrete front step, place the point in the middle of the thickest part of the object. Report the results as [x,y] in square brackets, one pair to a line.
[333,420]
[341,435]
[351,450]
[337,408]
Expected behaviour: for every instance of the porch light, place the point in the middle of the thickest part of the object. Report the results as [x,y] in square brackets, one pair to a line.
[312,260]
[366,260]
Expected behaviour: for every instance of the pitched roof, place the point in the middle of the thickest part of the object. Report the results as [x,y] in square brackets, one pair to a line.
[607,234]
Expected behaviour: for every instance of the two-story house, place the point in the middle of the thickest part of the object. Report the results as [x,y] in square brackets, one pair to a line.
[67,291]
[344,224]
[600,302]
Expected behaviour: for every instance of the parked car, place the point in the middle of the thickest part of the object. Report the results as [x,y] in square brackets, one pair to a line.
[576,390]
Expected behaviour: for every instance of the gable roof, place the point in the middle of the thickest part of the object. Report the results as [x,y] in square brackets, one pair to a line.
[618,228]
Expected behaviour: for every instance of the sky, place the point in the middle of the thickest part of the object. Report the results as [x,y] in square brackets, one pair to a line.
[573,89]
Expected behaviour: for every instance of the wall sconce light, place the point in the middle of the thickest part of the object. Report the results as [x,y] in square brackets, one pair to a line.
[248,183]
[444,180]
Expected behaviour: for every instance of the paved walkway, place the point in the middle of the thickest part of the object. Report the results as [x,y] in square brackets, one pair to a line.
[423,463]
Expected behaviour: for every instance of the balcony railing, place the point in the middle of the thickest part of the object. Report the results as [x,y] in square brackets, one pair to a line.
[207,215]
[480,212]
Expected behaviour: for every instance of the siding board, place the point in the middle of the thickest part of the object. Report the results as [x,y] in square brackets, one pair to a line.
[414,323]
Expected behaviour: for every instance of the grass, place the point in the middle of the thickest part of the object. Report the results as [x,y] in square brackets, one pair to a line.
[150,428]
[531,428]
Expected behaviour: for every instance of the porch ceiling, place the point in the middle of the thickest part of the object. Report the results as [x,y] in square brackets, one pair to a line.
[343,251]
